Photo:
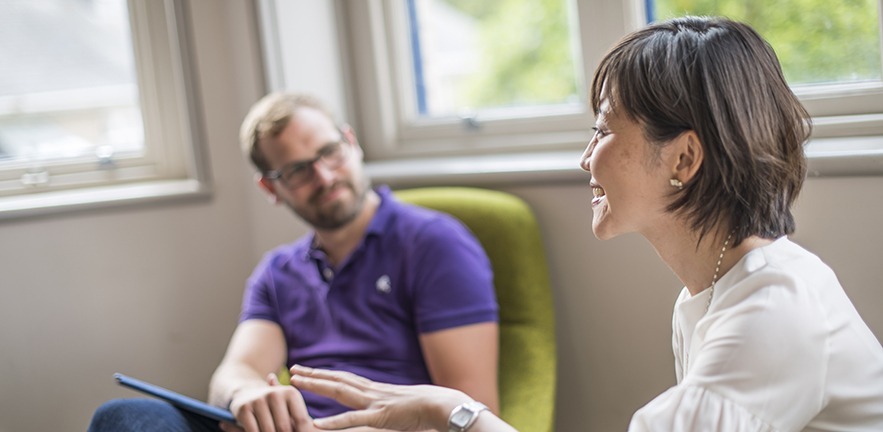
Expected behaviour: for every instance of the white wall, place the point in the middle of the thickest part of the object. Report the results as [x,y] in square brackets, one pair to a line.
[154,290]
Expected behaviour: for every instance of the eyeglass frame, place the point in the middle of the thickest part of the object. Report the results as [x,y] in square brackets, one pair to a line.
[310,164]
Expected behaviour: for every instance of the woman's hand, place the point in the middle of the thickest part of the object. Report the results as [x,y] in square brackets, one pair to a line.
[387,406]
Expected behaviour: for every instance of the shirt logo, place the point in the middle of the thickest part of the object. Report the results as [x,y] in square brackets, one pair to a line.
[383,284]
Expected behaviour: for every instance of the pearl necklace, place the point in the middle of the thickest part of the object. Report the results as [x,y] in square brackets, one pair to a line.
[717,269]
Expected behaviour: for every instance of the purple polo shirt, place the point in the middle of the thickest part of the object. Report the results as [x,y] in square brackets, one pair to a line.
[415,271]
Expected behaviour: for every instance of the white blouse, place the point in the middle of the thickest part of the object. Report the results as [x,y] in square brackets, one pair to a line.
[781,349]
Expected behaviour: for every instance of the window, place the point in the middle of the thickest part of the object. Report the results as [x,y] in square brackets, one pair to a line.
[480,79]
[94,104]
[816,45]
[480,57]
[831,56]
[465,77]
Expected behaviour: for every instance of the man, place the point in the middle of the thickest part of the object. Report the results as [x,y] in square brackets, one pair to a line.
[390,291]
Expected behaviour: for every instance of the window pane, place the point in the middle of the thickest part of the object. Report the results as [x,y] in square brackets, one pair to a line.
[474,56]
[817,41]
[68,88]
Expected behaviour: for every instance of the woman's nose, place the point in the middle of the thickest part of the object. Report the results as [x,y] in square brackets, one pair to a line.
[586,158]
[584,163]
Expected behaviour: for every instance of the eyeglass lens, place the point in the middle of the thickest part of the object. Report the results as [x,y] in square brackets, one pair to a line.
[300,173]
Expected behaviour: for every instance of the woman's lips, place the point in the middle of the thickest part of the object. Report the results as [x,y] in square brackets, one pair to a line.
[597,194]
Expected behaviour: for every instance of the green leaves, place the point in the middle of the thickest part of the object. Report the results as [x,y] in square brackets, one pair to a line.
[817,41]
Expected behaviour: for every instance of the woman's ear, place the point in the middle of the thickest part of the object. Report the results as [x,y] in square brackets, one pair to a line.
[689,155]
[268,187]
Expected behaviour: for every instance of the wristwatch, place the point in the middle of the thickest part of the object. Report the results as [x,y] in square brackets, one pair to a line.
[464,415]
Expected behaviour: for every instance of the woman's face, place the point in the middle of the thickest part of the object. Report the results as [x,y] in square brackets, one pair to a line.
[630,182]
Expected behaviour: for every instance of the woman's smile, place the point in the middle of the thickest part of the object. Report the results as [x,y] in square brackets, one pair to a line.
[597,194]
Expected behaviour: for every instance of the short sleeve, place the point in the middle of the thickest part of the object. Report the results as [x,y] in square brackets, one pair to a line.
[257,300]
[453,280]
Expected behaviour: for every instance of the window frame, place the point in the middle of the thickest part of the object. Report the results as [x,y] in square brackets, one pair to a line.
[848,119]
[173,165]
[383,64]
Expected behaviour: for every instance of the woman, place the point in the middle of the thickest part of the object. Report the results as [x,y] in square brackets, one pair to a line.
[698,147]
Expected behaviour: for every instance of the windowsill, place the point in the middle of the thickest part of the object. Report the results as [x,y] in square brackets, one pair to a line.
[857,156]
[848,156]
[853,156]
[503,168]
[40,204]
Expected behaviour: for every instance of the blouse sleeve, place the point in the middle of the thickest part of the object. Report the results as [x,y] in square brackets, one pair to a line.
[691,408]
[757,363]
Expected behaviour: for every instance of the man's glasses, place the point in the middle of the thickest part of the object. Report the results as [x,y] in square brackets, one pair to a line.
[297,174]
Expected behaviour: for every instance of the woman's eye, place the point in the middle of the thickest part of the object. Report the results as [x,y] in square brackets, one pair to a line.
[599,133]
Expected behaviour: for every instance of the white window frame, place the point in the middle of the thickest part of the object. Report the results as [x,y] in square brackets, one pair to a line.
[848,119]
[174,163]
[383,64]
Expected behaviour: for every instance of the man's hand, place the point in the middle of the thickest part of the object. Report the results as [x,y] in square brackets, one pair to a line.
[274,408]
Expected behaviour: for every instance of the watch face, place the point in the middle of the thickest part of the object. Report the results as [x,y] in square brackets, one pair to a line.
[461,417]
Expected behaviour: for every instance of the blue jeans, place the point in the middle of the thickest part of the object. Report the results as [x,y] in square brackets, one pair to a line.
[146,415]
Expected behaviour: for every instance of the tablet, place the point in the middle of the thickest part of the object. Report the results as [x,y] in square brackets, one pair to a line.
[176,399]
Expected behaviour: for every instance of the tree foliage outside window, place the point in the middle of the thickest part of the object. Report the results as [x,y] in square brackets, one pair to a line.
[817,41]
[521,53]
[516,53]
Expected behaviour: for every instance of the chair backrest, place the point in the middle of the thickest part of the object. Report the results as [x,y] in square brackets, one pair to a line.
[509,233]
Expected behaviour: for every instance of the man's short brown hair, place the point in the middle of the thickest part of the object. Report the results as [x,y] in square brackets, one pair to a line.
[268,117]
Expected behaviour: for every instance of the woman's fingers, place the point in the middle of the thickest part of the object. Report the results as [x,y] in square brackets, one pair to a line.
[347,388]
[339,391]
[385,406]
[348,378]
[349,419]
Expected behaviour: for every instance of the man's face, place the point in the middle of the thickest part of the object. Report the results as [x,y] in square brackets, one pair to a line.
[327,193]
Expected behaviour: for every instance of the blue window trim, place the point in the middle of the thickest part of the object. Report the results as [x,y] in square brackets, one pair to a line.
[418,57]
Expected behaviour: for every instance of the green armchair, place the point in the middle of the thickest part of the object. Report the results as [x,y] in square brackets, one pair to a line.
[509,233]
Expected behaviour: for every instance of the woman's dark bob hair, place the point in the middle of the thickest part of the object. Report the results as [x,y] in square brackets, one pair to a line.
[720,79]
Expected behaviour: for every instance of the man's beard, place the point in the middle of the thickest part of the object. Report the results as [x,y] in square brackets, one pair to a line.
[333,216]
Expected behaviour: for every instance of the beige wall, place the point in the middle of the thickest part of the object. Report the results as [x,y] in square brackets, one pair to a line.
[150,290]
[154,290]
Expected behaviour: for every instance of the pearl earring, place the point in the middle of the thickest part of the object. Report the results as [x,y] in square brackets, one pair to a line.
[677,183]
